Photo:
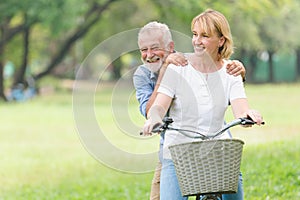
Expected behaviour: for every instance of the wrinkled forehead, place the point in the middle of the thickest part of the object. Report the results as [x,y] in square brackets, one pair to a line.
[150,38]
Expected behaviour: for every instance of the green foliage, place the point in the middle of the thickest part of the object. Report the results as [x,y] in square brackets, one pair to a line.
[124,16]
[263,25]
[49,20]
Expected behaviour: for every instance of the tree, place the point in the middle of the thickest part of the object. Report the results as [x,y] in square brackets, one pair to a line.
[48,30]
[17,17]
[92,15]
[265,25]
[7,33]
[141,12]
[19,77]
[276,29]
[37,12]
[293,29]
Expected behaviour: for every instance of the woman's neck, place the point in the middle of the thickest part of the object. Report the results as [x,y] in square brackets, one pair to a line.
[205,63]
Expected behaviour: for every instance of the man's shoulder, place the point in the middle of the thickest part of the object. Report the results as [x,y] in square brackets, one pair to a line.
[142,75]
[142,69]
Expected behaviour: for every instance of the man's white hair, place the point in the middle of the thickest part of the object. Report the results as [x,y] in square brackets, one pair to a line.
[157,26]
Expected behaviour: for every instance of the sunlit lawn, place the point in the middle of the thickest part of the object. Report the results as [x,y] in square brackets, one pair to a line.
[42,156]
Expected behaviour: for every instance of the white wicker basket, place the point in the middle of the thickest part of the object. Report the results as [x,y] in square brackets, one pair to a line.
[208,166]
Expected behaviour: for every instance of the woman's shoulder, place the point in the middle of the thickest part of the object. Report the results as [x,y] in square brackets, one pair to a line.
[231,77]
[178,69]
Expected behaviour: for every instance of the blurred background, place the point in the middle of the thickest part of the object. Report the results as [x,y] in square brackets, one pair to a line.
[44,43]
[45,40]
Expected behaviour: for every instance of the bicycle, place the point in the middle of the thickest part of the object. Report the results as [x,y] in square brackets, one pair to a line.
[190,170]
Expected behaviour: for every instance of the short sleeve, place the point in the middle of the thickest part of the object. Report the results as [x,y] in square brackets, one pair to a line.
[237,90]
[169,81]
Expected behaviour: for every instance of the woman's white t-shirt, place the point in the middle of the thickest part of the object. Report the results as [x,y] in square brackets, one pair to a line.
[199,101]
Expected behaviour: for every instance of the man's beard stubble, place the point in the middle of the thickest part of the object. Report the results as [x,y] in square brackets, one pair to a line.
[153,65]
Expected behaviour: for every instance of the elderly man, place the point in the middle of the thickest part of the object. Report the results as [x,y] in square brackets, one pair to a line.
[157,49]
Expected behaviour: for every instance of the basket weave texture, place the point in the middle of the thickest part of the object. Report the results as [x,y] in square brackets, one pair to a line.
[208,166]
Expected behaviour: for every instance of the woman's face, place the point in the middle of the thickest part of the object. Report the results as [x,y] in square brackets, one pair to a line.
[206,42]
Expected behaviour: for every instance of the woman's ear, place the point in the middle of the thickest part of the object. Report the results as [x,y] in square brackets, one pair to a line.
[221,41]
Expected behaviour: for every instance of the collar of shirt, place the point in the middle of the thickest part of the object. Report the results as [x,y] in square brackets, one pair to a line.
[153,76]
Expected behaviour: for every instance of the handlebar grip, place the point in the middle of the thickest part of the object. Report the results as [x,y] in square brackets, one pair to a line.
[248,121]
[156,128]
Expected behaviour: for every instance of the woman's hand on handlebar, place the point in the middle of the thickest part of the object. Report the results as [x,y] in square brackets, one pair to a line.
[149,126]
[255,116]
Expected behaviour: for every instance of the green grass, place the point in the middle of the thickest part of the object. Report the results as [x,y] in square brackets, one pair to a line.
[42,156]
[272,171]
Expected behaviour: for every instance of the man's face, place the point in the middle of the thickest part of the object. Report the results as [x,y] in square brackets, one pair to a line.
[152,50]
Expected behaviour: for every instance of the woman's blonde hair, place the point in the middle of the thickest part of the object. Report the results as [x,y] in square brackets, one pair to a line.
[212,21]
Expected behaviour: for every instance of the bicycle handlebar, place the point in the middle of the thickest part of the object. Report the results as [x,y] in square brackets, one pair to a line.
[168,120]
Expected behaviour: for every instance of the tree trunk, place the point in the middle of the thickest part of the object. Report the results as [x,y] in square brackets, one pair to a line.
[20,75]
[2,47]
[7,34]
[298,63]
[271,67]
[116,69]
[253,65]
[2,94]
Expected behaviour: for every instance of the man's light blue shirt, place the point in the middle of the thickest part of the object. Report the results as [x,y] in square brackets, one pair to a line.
[144,82]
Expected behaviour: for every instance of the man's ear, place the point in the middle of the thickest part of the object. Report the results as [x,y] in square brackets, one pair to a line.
[171,46]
